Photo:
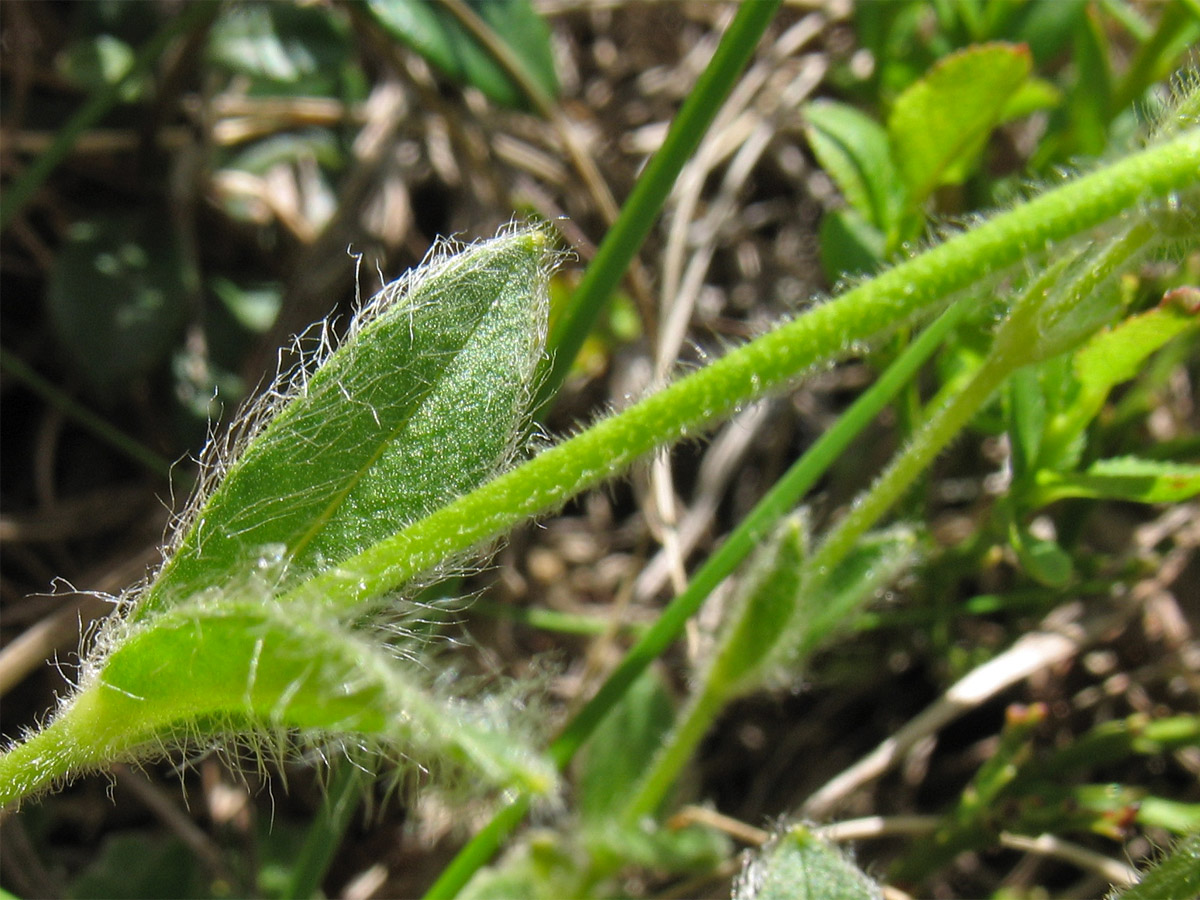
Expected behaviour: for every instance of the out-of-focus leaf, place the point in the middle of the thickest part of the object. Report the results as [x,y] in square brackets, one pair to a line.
[1091,101]
[1109,358]
[1026,409]
[431,30]
[117,293]
[1044,25]
[1123,478]
[264,155]
[255,308]
[1032,95]
[1159,812]
[850,245]
[1117,354]
[141,866]
[939,125]
[617,754]
[799,866]
[760,615]
[826,606]
[853,150]
[284,44]
[103,59]
[1043,560]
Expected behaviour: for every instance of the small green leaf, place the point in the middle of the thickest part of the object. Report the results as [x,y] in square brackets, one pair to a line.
[117,297]
[830,600]
[800,866]
[616,755]
[760,616]
[1123,478]
[939,125]
[253,306]
[1044,561]
[1117,354]
[281,44]
[1026,413]
[853,150]
[434,32]
[1034,94]
[850,245]
[1091,100]
[103,59]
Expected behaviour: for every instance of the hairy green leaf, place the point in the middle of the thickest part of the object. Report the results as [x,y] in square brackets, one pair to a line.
[800,866]
[419,404]
[1175,877]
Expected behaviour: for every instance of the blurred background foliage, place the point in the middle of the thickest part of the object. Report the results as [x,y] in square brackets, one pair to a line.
[187,185]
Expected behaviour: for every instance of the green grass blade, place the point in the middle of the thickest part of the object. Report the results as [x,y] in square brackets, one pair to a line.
[641,209]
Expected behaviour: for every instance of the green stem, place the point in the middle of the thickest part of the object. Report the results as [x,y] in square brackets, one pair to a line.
[687,734]
[749,372]
[18,195]
[326,833]
[1039,326]
[644,203]
[785,494]
[946,422]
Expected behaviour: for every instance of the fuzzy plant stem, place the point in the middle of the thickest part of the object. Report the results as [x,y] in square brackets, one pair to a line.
[641,209]
[783,496]
[950,267]
[761,520]
[749,372]
[1017,344]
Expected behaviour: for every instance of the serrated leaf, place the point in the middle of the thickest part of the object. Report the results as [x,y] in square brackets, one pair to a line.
[433,31]
[1124,478]
[939,125]
[418,405]
[853,150]
[800,866]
